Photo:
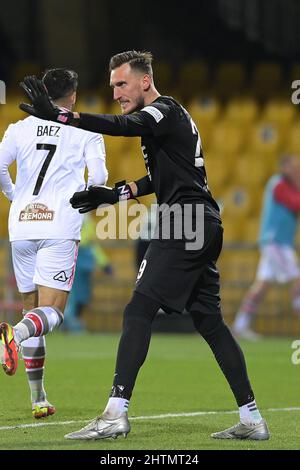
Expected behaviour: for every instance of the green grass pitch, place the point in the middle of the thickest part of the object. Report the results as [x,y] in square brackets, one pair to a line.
[180,376]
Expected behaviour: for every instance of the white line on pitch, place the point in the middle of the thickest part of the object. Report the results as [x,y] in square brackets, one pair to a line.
[144,418]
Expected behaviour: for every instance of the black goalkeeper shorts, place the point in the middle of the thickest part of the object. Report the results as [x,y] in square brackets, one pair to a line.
[183,279]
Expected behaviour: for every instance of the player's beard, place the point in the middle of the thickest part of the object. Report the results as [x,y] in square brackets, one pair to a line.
[139,104]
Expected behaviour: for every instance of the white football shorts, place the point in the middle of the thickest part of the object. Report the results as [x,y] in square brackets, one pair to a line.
[278,263]
[49,263]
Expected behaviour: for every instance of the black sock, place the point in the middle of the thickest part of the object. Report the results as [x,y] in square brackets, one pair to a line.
[227,352]
[134,343]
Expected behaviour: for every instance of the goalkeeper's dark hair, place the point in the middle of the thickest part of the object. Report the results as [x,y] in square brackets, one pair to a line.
[60,82]
[137,60]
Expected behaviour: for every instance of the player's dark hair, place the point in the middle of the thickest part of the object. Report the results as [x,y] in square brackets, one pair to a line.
[137,60]
[60,82]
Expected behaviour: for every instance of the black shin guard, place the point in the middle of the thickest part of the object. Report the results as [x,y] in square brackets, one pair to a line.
[134,343]
[228,354]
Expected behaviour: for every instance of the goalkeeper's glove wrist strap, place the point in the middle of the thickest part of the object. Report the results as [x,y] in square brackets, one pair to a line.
[124,191]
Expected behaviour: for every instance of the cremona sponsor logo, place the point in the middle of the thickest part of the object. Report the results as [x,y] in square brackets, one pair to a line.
[36,213]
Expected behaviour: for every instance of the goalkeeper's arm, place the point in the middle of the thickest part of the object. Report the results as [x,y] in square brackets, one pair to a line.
[42,107]
[94,196]
[143,186]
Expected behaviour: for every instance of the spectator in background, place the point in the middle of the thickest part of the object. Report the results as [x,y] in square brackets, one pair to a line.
[90,257]
[278,261]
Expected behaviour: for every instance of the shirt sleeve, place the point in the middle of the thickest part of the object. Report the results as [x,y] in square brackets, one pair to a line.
[160,117]
[144,186]
[287,195]
[133,125]
[9,143]
[155,119]
[8,153]
[95,160]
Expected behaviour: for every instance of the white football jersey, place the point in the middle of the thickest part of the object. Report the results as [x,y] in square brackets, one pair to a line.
[51,160]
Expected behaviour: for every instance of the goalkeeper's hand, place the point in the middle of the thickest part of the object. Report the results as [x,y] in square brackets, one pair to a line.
[42,107]
[94,196]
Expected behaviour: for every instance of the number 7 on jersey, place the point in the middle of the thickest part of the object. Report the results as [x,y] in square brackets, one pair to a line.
[51,151]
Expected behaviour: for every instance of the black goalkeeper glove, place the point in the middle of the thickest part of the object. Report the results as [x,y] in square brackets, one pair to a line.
[42,107]
[90,199]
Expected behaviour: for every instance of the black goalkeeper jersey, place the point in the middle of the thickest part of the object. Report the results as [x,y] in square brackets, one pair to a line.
[171,147]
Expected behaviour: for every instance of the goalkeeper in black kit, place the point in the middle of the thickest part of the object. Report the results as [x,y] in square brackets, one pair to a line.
[177,272]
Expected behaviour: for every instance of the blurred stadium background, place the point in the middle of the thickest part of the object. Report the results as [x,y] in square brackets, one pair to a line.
[230,62]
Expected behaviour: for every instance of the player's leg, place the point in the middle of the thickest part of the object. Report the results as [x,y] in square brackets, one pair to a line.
[57,298]
[293,276]
[55,268]
[269,268]
[133,348]
[248,309]
[41,407]
[278,263]
[36,323]
[231,360]
[166,278]
[30,299]
[33,350]
[205,310]
[34,353]
[205,307]
[24,259]
[54,274]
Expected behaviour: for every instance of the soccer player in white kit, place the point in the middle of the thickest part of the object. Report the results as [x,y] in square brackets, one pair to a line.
[44,230]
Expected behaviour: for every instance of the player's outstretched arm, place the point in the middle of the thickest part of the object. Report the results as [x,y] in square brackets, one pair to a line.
[133,125]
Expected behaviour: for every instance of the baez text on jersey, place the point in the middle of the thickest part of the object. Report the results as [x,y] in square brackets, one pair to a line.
[52,131]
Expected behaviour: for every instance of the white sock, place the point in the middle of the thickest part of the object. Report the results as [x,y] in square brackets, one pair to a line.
[38,322]
[115,407]
[21,332]
[33,352]
[242,321]
[249,414]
